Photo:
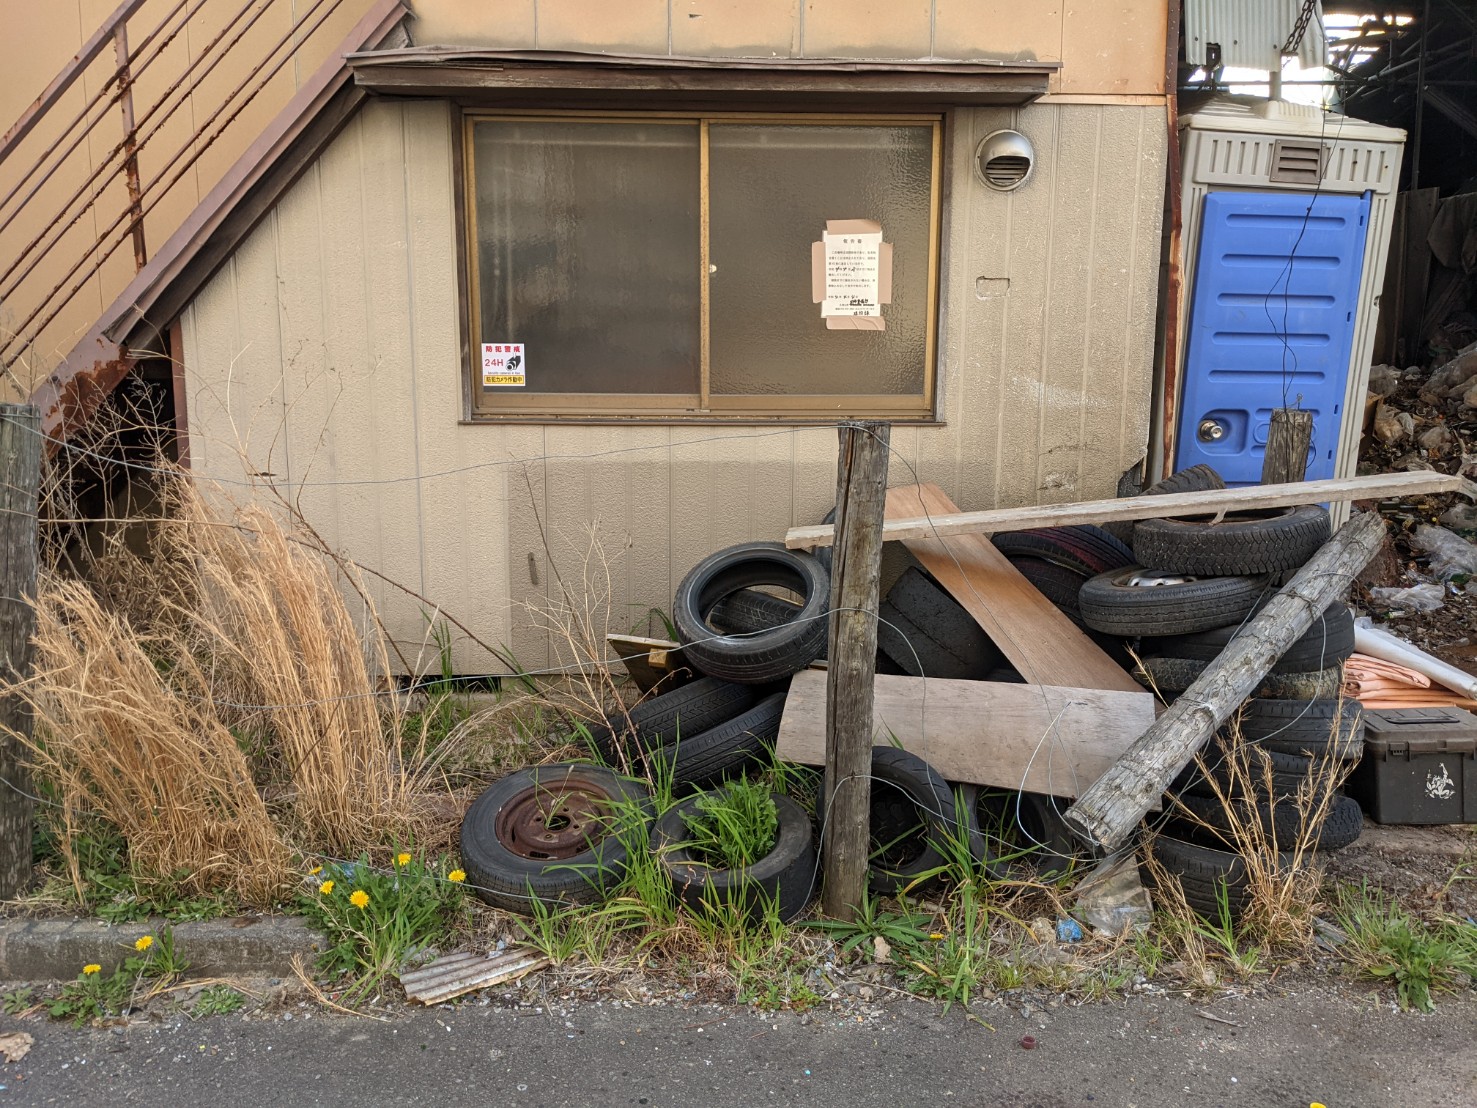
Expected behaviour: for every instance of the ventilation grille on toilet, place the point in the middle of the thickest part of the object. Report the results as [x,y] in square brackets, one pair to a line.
[1298,163]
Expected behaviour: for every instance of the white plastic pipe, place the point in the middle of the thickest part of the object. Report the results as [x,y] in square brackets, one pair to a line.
[1378,643]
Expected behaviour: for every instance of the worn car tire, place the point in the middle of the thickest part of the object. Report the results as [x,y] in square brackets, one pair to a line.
[1056,582]
[749,611]
[1110,604]
[1313,727]
[1289,773]
[1329,641]
[1197,478]
[785,876]
[1170,676]
[1205,820]
[767,655]
[723,750]
[1023,835]
[928,634]
[1201,870]
[913,809]
[520,842]
[689,709]
[1321,684]
[1085,550]
[1263,541]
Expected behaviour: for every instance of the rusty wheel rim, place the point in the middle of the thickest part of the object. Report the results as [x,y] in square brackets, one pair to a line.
[554,822]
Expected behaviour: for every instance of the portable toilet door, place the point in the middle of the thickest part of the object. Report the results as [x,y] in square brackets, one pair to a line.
[1287,213]
[1271,325]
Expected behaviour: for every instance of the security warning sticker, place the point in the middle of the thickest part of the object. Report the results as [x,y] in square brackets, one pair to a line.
[503,365]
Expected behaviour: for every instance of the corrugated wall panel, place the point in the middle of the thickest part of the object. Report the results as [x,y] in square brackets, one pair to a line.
[1251,31]
[351,286]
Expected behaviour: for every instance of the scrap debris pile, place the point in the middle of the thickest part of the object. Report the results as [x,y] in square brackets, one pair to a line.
[1072,606]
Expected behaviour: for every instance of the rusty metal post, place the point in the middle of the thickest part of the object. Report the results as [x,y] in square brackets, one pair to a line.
[130,147]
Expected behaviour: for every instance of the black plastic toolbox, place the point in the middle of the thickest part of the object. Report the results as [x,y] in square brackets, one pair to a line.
[1419,766]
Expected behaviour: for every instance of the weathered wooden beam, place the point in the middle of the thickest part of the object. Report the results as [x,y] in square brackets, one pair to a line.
[856,569]
[20,478]
[1109,810]
[1151,507]
[1288,441]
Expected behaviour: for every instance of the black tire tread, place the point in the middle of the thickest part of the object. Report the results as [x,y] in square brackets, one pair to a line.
[1238,544]
[1166,609]
[725,749]
[929,634]
[1208,822]
[1200,869]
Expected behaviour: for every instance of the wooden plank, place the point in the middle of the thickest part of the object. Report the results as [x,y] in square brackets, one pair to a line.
[1338,489]
[1047,647]
[1111,808]
[1041,738]
[1288,441]
[652,662]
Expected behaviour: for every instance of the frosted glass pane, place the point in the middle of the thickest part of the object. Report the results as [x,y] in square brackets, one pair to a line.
[588,252]
[773,186]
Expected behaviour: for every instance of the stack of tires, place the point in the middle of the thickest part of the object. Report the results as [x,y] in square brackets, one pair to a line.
[1195,584]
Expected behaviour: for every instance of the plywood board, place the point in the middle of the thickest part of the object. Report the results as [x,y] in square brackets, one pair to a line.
[1039,738]
[1372,487]
[1043,644]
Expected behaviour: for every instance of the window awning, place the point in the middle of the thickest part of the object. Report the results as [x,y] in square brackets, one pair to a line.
[550,77]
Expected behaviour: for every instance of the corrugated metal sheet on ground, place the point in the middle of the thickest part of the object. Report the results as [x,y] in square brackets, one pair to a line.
[456,974]
[1251,31]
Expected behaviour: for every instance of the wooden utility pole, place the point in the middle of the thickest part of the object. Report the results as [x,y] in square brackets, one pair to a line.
[1288,441]
[851,667]
[20,479]
[1112,806]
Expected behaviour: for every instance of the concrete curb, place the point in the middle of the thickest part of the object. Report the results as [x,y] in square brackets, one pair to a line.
[243,946]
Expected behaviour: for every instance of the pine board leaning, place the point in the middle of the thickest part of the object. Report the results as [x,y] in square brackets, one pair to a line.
[1370,487]
[1044,645]
[982,732]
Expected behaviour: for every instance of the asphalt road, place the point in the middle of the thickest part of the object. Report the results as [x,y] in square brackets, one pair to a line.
[1330,1048]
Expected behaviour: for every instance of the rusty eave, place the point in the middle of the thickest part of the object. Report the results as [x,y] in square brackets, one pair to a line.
[131,326]
[510,74]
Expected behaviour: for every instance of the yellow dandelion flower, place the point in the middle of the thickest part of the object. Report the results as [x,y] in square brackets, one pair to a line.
[326,888]
[402,859]
[91,968]
[457,875]
[315,871]
[936,936]
[359,898]
[143,942]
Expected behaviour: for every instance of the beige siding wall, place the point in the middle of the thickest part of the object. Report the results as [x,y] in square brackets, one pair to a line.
[325,353]
[1105,48]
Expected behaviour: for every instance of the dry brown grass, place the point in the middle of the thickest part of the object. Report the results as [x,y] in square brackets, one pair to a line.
[146,751]
[1284,886]
[215,702]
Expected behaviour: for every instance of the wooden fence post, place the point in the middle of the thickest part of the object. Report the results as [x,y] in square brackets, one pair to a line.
[20,479]
[1288,440]
[856,565]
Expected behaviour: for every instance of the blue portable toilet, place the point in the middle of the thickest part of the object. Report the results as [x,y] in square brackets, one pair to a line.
[1286,214]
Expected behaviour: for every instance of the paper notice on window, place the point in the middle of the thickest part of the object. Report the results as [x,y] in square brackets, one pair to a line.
[853,273]
[503,365]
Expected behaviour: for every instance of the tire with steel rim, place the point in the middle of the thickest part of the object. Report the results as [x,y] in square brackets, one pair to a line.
[548,834]
[1135,601]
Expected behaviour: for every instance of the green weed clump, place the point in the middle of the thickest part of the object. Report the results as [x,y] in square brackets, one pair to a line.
[734,827]
[376,919]
[1386,944]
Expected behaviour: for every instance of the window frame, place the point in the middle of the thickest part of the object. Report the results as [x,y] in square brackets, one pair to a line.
[797,408]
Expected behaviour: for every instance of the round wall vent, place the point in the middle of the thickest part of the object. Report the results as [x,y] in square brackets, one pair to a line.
[1004,160]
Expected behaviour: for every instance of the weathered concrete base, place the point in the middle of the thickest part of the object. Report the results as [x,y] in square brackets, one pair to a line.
[244,946]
